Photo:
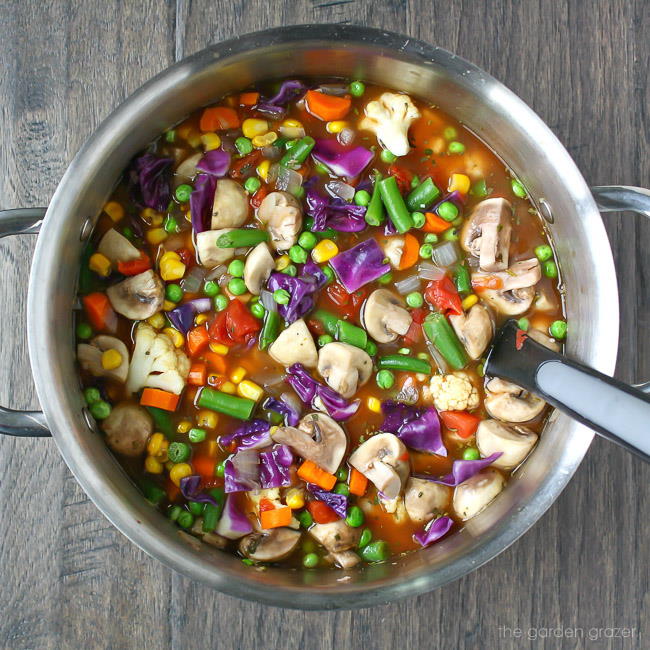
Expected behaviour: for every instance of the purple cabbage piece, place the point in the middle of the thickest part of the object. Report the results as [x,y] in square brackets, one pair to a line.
[233,523]
[249,434]
[291,416]
[341,160]
[273,111]
[433,531]
[190,490]
[301,289]
[359,265]
[290,90]
[389,228]
[334,213]
[201,200]
[462,470]
[182,317]
[215,162]
[241,471]
[275,467]
[337,502]
[418,428]
[153,176]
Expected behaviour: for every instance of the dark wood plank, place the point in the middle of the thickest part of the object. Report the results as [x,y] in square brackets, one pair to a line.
[71,580]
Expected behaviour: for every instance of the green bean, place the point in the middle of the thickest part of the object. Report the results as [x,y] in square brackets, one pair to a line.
[375,212]
[152,492]
[212,513]
[400,362]
[329,320]
[270,329]
[462,279]
[348,333]
[298,153]
[394,204]
[161,420]
[437,329]
[242,237]
[422,196]
[214,400]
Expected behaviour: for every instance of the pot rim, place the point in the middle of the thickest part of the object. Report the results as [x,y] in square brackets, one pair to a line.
[42,343]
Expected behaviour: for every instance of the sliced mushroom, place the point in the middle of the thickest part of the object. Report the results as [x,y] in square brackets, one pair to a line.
[385,317]
[230,207]
[474,329]
[258,267]
[522,274]
[336,536]
[486,234]
[545,301]
[209,538]
[381,459]
[209,254]
[117,248]
[476,493]
[139,296]
[127,429]
[278,544]
[318,438]
[514,443]
[186,170]
[281,212]
[344,367]
[295,345]
[393,249]
[509,303]
[90,357]
[511,403]
[544,340]
[344,559]
[425,499]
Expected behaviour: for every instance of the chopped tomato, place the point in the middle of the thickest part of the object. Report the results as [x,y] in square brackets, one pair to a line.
[244,167]
[520,338]
[235,324]
[462,422]
[186,256]
[258,197]
[443,295]
[337,294]
[419,314]
[315,327]
[135,267]
[321,512]
[402,176]
[413,334]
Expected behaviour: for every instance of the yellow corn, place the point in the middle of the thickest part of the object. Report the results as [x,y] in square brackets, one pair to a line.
[249,389]
[194,139]
[374,405]
[151,216]
[100,264]
[184,426]
[155,444]
[219,348]
[153,465]
[213,448]
[170,255]
[114,210]
[252,127]
[171,269]
[201,318]
[237,374]
[273,429]
[295,498]
[469,301]
[111,359]
[292,124]
[265,140]
[459,182]
[263,170]
[179,471]
[325,250]
[177,338]
[168,305]
[228,387]
[157,320]
[207,419]
[188,216]
[156,236]
[282,262]
[336,127]
[210,141]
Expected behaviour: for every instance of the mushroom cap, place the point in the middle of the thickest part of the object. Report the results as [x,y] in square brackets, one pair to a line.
[385,317]
[514,443]
[344,367]
[510,403]
[295,344]
[543,339]
[510,303]
[209,254]
[336,536]
[474,329]
[90,357]
[186,170]
[380,460]
[139,296]
[424,499]
[117,248]
[393,248]
[230,207]
[486,233]
[477,492]
[318,438]
[127,429]
[258,267]
[281,212]
[278,544]
[344,559]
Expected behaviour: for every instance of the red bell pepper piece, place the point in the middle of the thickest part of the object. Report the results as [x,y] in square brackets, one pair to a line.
[135,267]
[443,295]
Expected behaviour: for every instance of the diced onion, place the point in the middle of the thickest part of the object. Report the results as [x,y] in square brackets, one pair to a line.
[446,254]
[408,285]
[292,400]
[193,280]
[224,279]
[333,89]
[341,190]
[266,298]
[216,272]
[292,132]
[429,271]
[273,173]
[437,357]
[271,152]
[288,180]
[346,136]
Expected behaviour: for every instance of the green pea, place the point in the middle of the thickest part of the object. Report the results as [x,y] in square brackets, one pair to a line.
[426,251]
[543,252]
[243,145]
[307,240]
[387,278]
[290,270]
[550,269]
[447,211]
[171,224]
[299,192]
[236,268]
[305,518]
[385,379]
[84,331]
[92,395]
[178,452]
[310,560]
[449,133]
[220,469]
[357,88]
[342,473]
[355,517]
[196,508]
[558,329]
[471,453]
[456,147]
[415,299]
[252,184]
[371,348]
[196,435]
[183,192]
[342,488]
[375,551]
[173,292]
[415,181]
[173,512]
[257,309]
[362,197]
[211,288]
[523,324]
[298,254]
[170,135]
[185,519]
[281,296]
[518,189]
[451,235]
[328,272]
[431,238]
[100,409]
[324,339]
[418,219]
[308,545]
[366,537]
[220,302]
[127,232]
[387,156]
[237,286]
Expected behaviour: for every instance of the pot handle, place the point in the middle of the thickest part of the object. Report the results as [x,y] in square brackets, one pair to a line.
[22,221]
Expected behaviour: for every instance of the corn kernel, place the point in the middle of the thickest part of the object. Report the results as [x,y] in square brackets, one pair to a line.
[459,183]
[201,318]
[228,387]
[184,426]
[469,301]
[249,389]
[168,305]
[170,255]
[336,127]
[292,124]
[273,429]
[295,498]
[265,140]
[188,216]
[325,250]
[156,321]
[194,139]
[207,419]
[263,170]
[219,348]
[252,127]
[153,465]
[177,338]
[155,443]
[237,374]
[374,405]
[179,471]
[111,359]
[210,141]
[213,448]
[156,236]
[100,264]
[114,210]
[171,270]
[282,262]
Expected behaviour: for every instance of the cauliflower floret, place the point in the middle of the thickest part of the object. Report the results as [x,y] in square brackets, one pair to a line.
[389,118]
[156,362]
[453,393]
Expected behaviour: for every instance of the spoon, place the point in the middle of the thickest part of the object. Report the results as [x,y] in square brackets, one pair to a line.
[613,409]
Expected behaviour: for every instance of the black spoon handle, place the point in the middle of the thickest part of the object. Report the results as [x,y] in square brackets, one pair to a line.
[615,410]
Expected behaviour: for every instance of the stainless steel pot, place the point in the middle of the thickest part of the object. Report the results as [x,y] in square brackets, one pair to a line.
[489,109]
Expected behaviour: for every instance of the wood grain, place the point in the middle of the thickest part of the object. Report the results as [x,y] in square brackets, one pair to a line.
[70,580]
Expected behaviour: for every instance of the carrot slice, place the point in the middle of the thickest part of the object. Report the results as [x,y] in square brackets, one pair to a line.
[216,362]
[248,99]
[198,374]
[358,483]
[327,107]
[219,118]
[159,398]
[411,252]
[197,340]
[312,473]
[204,466]
[99,311]
[434,223]
[275,518]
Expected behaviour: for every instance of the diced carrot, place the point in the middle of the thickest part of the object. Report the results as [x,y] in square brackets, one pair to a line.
[159,398]
[463,423]
[411,252]
[482,282]
[173,491]
[434,223]
[312,473]
[358,483]
[219,118]
[197,340]
[198,374]
[327,107]
[321,512]
[216,362]
[248,99]
[204,466]
[275,518]
[99,311]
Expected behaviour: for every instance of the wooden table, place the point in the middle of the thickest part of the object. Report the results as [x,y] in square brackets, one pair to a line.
[70,580]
